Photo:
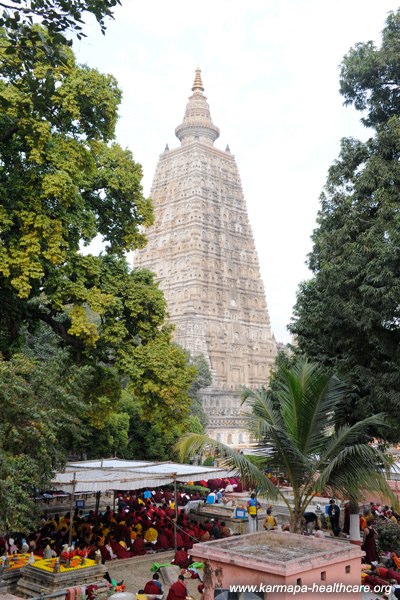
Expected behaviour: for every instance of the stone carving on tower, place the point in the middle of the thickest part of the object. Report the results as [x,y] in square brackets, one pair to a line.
[202,250]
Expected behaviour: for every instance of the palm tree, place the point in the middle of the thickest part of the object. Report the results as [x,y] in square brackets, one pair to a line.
[298,429]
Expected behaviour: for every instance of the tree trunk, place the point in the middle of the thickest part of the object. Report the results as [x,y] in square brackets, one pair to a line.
[295,525]
[355,524]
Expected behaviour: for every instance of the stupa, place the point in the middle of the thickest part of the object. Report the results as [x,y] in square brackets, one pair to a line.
[202,250]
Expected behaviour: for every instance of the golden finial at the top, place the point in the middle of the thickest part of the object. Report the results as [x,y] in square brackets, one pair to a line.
[198,84]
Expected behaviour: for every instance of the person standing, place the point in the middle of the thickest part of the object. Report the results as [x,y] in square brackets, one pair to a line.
[252,508]
[270,522]
[369,544]
[334,515]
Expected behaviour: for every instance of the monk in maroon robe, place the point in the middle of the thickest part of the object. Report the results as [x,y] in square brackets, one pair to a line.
[121,551]
[178,590]
[154,587]
[181,558]
[162,541]
[138,547]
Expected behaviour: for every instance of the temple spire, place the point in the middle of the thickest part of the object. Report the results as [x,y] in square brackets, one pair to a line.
[197,124]
[198,84]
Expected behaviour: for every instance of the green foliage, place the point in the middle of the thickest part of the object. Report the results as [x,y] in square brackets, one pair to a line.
[146,432]
[61,183]
[299,433]
[388,539]
[347,316]
[370,76]
[259,461]
[89,327]
[194,425]
[39,403]
[181,487]
[57,16]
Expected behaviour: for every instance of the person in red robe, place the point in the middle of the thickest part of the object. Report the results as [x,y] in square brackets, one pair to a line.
[170,535]
[181,558]
[120,550]
[158,496]
[138,547]
[154,586]
[196,529]
[204,534]
[178,590]
[162,541]
[188,537]
[179,539]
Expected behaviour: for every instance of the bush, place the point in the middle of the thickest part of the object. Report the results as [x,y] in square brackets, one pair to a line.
[388,537]
[190,489]
[193,488]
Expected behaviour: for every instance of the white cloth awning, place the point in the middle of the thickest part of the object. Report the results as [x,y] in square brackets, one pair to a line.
[118,474]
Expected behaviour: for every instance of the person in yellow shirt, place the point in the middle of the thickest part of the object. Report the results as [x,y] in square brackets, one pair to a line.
[270,522]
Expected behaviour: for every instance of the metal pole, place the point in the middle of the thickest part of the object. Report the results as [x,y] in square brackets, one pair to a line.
[71,512]
[96,512]
[176,510]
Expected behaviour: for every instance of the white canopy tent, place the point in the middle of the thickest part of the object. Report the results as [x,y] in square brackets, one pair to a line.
[116,474]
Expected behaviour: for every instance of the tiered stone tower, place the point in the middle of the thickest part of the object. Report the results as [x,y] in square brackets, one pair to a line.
[202,250]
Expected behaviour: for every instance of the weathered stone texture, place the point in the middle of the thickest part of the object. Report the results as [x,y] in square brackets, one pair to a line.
[202,249]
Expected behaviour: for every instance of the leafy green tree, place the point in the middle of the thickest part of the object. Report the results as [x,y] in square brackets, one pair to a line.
[61,183]
[60,18]
[370,76]
[347,316]
[64,181]
[134,351]
[300,433]
[38,402]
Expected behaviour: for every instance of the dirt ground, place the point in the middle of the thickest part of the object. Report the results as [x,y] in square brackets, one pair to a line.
[136,571]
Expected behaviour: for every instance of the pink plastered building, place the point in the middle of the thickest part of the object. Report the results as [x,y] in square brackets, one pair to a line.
[271,558]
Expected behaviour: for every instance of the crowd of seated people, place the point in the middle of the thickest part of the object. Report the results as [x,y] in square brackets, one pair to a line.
[142,522]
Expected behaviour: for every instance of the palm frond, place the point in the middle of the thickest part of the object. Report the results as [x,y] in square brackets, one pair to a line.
[296,425]
[347,471]
[308,397]
[250,474]
[349,435]
[267,425]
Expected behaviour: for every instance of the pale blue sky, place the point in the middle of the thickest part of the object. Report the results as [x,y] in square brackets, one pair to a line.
[270,72]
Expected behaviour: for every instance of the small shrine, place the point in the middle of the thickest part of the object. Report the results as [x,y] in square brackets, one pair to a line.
[278,563]
[27,575]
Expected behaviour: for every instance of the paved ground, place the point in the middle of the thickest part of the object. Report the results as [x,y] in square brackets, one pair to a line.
[136,571]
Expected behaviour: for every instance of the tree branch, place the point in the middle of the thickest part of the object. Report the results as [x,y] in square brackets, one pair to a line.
[8,134]
[60,329]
